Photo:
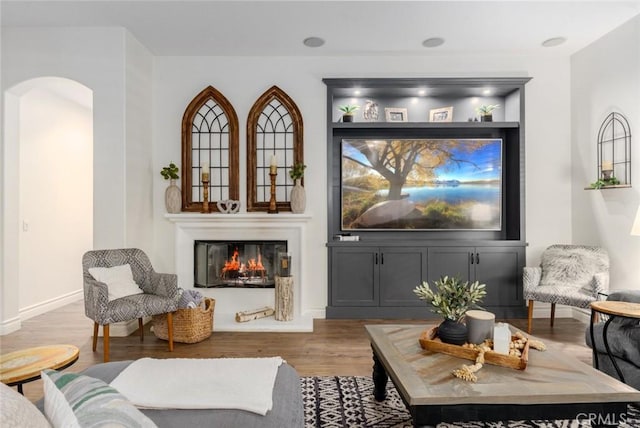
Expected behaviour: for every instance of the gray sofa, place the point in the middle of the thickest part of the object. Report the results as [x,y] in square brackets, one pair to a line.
[623,336]
[287,408]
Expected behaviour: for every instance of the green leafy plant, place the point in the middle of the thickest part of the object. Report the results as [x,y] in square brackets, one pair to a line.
[170,172]
[451,298]
[297,171]
[604,183]
[486,109]
[349,108]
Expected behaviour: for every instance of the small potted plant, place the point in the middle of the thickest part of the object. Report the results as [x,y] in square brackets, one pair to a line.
[347,111]
[486,112]
[452,298]
[298,198]
[172,196]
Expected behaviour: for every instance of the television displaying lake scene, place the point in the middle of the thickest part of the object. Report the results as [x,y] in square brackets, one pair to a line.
[421,184]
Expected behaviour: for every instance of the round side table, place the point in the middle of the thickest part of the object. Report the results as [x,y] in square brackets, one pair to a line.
[20,367]
[613,309]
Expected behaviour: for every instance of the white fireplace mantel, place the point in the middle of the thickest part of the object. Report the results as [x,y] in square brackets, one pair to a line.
[190,227]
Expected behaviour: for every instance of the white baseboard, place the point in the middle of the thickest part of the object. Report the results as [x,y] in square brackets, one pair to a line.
[9,326]
[49,305]
[583,315]
[316,313]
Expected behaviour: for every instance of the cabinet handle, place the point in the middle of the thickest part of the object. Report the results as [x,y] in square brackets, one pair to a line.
[471,255]
[477,258]
[381,258]
[376,258]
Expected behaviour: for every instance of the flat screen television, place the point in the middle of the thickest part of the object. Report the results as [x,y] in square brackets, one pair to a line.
[421,184]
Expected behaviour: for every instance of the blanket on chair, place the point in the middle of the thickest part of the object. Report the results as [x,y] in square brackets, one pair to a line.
[211,383]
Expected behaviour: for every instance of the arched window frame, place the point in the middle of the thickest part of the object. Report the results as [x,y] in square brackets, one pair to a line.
[209,93]
[273,93]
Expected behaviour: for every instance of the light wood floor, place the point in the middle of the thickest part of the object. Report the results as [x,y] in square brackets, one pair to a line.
[336,347]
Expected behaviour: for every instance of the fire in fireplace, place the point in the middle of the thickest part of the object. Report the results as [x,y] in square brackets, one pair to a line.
[239,264]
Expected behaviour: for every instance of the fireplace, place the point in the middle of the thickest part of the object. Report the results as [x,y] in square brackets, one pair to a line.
[236,264]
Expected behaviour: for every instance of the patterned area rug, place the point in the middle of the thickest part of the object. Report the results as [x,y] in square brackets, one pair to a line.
[347,401]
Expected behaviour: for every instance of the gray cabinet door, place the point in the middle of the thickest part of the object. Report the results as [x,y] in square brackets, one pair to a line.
[354,276]
[501,269]
[401,270]
[450,261]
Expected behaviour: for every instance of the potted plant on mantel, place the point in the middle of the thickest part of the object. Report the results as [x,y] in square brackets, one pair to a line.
[298,198]
[486,112]
[347,111]
[172,196]
[452,298]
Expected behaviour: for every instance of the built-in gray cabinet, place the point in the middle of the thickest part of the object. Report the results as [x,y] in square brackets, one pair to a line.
[374,276]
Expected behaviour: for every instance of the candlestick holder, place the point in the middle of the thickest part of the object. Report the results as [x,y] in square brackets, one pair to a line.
[205,193]
[273,208]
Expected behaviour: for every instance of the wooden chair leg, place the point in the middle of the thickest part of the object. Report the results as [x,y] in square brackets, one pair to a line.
[95,336]
[170,330]
[105,339]
[553,313]
[529,316]
[141,328]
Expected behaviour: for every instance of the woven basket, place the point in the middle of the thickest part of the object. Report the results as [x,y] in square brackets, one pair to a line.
[190,325]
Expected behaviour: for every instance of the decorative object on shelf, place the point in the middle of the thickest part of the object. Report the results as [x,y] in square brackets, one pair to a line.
[452,298]
[393,114]
[614,152]
[347,111]
[172,196]
[486,112]
[298,197]
[228,206]
[284,298]
[204,176]
[605,182]
[273,173]
[370,113]
[443,114]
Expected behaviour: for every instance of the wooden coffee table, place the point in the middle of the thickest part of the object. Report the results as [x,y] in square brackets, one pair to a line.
[20,367]
[553,386]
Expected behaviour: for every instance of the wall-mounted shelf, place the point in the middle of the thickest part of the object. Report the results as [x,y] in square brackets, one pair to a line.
[425,125]
[619,186]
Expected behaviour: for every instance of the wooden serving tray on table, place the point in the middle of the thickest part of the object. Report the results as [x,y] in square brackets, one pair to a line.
[430,341]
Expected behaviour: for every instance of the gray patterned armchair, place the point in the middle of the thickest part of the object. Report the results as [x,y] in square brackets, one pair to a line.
[572,275]
[160,293]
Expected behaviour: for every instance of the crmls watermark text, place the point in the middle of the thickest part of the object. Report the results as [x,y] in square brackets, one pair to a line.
[601,419]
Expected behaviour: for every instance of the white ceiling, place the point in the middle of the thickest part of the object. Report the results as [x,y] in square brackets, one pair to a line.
[213,27]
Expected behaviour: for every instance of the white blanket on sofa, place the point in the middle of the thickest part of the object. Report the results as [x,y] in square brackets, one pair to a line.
[213,383]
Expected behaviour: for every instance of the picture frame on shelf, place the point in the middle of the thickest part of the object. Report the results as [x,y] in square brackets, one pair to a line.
[443,114]
[394,114]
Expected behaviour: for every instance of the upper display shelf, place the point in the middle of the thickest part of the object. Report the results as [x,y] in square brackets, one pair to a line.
[435,101]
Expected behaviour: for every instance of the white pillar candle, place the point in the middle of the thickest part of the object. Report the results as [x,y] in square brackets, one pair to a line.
[204,169]
[607,166]
[274,161]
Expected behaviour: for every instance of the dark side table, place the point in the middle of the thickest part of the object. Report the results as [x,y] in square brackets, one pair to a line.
[613,309]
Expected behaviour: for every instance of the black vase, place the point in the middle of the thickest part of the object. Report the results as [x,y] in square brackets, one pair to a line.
[347,118]
[452,332]
[486,118]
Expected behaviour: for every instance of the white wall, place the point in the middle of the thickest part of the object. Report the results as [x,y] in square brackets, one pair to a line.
[56,191]
[605,77]
[138,151]
[104,60]
[242,80]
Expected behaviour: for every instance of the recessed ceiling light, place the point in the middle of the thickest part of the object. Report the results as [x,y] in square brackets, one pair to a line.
[356,92]
[313,42]
[554,41]
[422,92]
[433,42]
[486,92]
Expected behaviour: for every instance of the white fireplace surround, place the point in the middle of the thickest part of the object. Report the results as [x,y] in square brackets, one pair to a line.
[240,227]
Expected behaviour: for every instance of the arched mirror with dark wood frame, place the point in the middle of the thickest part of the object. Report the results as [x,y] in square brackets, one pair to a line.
[209,143]
[274,133]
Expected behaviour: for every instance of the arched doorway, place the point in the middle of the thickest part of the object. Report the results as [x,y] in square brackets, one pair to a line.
[49,194]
